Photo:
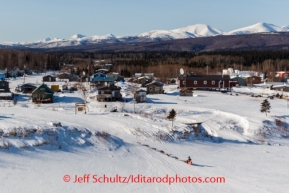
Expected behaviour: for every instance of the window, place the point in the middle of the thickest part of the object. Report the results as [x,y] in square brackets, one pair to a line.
[195,82]
[213,82]
[205,82]
[151,88]
[157,88]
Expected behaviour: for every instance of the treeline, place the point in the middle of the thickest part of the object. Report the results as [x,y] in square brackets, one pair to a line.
[129,63]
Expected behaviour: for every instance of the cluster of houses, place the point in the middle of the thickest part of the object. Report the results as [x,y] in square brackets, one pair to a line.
[103,80]
[14,73]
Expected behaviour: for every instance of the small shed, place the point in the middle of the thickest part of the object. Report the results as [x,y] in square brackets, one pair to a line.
[55,88]
[42,94]
[140,96]
[4,86]
[186,92]
[49,78]
[6,95]
[155,88]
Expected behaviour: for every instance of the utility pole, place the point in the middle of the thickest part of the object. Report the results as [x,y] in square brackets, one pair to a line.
[24,74]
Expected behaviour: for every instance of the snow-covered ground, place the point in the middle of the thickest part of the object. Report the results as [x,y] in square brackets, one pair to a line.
[236,141]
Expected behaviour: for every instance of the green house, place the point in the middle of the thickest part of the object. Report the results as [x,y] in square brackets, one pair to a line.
[42,94]
[241,81]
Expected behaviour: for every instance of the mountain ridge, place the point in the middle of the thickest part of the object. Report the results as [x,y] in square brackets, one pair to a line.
[188,32]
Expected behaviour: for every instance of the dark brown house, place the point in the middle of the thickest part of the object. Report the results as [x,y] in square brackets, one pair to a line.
[109,93]
[68,76]
[204,82]
[253,80]
[49,78]
[26,88]
[155,88]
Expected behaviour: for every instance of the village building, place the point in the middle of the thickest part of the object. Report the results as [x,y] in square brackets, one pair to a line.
[186,92]
[2,75]
[149,75]
[155,88]
[5,93]
[140,96]
[26,88]
[4,86]
[14,73]
[109,93]
[204,81]
[67,77]
[42,94]
[116,76]
[49,78]
[282,74]
[281,88]
[240,81]
[253,80]
[144,80]
[100,79]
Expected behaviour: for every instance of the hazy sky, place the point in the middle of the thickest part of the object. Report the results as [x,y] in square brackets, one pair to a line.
[32,20]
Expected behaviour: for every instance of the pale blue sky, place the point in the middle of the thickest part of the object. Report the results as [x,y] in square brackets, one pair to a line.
[32,20]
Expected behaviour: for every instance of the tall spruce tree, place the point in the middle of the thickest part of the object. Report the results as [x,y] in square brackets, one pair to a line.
[172,116]
[265,107]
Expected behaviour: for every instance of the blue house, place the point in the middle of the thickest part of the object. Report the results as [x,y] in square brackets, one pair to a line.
[100,79]
[2,76]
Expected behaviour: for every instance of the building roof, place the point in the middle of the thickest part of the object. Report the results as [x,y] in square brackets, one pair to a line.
[281,86]
[102,79]
[30,84]
[155,83]
[141,90]
[67,73]
[51,91]
[208,77]
[50,75]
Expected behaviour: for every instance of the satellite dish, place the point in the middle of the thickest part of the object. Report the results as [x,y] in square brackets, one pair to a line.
[181,71]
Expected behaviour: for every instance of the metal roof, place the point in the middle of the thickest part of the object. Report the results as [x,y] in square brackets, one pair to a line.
[156,83]
[207,77]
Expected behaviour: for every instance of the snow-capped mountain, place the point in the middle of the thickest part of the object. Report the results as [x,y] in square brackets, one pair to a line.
[257,28]
[285,28]
[192,31]
[199,30]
